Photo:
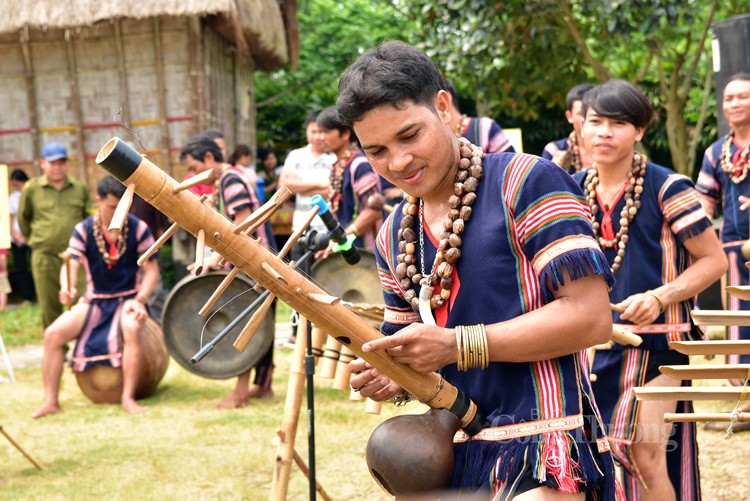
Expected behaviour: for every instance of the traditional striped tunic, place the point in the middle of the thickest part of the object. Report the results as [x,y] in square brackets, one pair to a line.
[359,182]
[670,214]
[100,341]
[235,193]
[528,223]
[554,147]
[715,186]
[487,133]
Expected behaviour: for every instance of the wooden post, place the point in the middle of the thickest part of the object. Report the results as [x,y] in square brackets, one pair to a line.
[294,391]
[122,75]
[161,96]
[76,101]
[198,94]
[31,98]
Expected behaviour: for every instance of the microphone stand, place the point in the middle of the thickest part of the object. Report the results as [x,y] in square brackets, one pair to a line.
[310,243]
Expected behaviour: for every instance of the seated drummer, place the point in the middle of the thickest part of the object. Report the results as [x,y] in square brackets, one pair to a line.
[113,295]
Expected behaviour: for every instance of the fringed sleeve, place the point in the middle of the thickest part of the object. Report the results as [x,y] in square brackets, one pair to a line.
[682,209]
[553,223]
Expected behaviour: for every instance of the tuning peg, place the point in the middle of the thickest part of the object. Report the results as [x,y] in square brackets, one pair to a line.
[260,216]
[123,207]
[202,178]
[253,324]
[219,291]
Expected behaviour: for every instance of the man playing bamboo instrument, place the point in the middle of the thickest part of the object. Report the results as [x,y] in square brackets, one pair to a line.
[723,178]
[108,318]
[491,276]
[663,251]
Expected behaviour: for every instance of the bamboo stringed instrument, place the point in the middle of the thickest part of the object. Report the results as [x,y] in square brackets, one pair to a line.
[157,188]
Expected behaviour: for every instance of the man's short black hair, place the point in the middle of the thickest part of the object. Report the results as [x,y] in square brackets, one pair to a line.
[392,73]
[619,100]
[197,146]
[213,133]
[110,186]
[329,119]
[742,76]
[19,175]
[311,117]
[576,94]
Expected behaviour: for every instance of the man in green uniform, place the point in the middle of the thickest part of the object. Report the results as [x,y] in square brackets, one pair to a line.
[51,205]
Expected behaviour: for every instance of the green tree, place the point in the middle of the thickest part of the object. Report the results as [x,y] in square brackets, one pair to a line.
[333,34]
[520,56]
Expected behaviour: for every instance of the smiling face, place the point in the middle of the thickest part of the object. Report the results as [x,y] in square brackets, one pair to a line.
[413,146]
[736,103]
[610,141]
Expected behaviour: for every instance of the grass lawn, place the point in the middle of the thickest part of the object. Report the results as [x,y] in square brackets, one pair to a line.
[185,448]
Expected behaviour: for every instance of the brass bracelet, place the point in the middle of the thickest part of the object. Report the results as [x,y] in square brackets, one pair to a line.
[658,300]
[141,299]
[473,349]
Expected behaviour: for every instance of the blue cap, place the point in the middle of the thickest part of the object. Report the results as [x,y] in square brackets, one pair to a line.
[54,151]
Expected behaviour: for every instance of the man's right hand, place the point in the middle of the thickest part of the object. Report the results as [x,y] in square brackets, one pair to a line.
[67,297]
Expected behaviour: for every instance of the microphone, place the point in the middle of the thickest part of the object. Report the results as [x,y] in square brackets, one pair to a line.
[337,233]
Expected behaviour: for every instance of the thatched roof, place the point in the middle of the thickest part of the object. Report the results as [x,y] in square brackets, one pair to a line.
[257,26]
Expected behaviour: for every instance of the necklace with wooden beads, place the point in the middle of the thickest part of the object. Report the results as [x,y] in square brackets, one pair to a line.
[573,157]
[101,244]
[337,179]
[449,248]
[737,173]
[633,193]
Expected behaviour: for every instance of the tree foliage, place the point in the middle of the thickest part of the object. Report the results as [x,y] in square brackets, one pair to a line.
[521,56]
[333,34]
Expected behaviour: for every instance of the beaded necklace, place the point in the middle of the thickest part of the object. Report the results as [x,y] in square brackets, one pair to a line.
[337,179]
[573,157]
[120,243]
[737,173]
[633,193]
[449,248]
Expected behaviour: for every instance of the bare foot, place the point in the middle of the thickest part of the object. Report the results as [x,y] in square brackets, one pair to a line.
[46,409]
[130,405]
[234,401]
[258,392]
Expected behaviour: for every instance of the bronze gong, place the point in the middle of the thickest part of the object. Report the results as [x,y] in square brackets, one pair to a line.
[358,284]
[183,326]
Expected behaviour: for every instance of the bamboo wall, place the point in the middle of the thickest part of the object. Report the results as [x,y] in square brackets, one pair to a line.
[170,77]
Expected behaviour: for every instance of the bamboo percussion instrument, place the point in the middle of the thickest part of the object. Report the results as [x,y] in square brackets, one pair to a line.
[720,317]
[684,393]
[726,417]
[710,371]
[342,376]
[331,355]
[155,187]
[739,291]
[711,347]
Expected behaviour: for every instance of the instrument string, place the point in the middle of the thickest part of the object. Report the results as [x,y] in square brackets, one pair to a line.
[205,324]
